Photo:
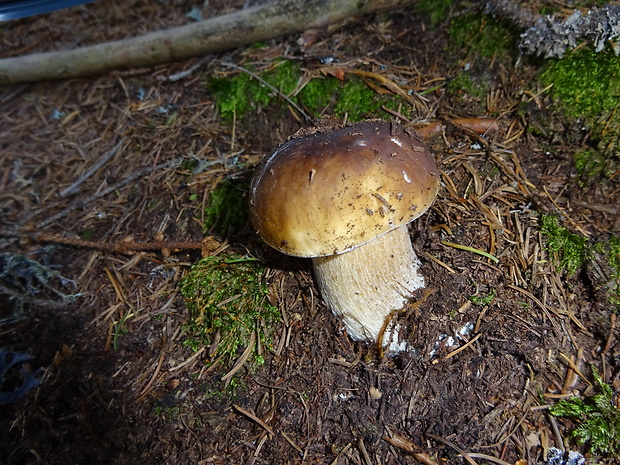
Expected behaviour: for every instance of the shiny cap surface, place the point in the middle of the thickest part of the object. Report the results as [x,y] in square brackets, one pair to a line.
[325,193]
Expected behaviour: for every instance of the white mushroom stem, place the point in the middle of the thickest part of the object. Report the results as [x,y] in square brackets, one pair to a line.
[365,285]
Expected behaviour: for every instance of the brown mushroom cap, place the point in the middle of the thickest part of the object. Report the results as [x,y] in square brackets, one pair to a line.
[328,192]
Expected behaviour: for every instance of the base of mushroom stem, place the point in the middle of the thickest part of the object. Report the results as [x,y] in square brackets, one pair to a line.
[392,343]
[366,285]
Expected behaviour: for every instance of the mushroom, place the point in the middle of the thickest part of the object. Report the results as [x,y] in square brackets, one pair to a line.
[344,197]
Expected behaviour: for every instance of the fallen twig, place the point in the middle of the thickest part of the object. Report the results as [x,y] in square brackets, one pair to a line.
[243,27]
[208,244]
[482,126]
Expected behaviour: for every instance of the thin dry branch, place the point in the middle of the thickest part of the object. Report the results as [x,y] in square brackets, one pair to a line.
[275,19]
[208,245]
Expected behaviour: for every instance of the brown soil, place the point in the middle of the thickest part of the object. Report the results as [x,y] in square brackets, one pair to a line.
[139,395]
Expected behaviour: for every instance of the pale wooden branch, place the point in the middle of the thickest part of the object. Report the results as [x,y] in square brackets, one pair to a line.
[275,19]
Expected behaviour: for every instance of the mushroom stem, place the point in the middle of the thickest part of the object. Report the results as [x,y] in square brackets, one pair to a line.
[365,285]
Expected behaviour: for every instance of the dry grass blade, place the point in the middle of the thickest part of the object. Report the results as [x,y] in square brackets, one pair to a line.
[188,360]
[463,347]
[291,442]
[465,455]
[470,249]
[610,335]
[409,447]
[385,82]
[254,418]
[244,358]
[542,306]
[488,458]
[149,385]
[576,369]
[440,263]
[362,448]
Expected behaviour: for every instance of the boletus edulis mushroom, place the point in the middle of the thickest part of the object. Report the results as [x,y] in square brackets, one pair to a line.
[344,197]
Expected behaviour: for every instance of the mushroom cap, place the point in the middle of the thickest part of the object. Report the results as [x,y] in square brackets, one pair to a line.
[325,193]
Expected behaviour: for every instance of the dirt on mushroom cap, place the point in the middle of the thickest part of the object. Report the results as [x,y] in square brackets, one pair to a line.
[327,192]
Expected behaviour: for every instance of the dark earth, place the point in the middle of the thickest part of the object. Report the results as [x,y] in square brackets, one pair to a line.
[117,384]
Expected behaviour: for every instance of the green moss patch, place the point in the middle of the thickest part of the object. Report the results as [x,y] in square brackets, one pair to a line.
[469,92]
[597,418]
[485,299]
[319,93]
[570,252]
[437,10]
[593,164]
[358,101]
[569,249]
[237,96]
[614,255]
[464,82]
[586,83]
[476,40]
[227,300]
[481,36]
[228,209]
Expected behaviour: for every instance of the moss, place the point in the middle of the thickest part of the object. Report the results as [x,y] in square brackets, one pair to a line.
[586,83]
[463,82]
[227,300]
[481,35]
[87,234]
[593,164]
[437,10]
[597,418]
[613,286]
[485,299]
[319,93]
[228,210]
[570,249]
[236,96]
[358,101]
[189,165]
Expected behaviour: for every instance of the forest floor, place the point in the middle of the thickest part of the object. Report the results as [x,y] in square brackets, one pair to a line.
[90,273]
